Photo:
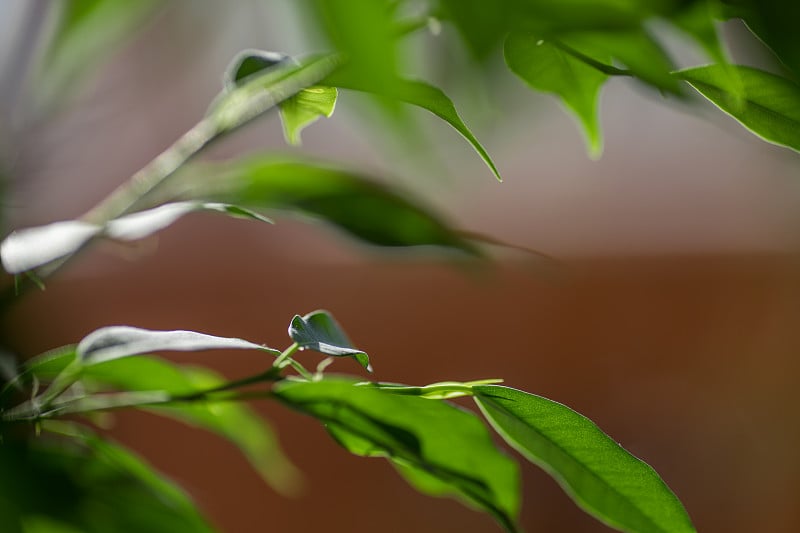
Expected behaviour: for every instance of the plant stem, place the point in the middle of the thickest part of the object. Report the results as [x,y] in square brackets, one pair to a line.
[602,67]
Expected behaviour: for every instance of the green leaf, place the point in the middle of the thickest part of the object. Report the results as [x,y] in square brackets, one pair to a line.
[319,331]
[115,342]
[30,248]
[635,48]
[305,108]
[697,19]
[602,478]
[546,67]
[351,202]
[429,436]
[86,32]
[249,94]
[92,485]
[766,104]
[419,94]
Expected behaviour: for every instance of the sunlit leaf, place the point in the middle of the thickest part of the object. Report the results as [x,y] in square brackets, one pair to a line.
[115,342]
[31,248]
[603,478]
[429,436]
[766,104]
[546,67]
[356,204]
[320,332]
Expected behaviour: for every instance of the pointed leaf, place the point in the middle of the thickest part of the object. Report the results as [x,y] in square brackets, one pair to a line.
[545,67]
[429,436]
[319,331]
[602,478]
[115,342]
[419,94]
[354,203]
[766,104]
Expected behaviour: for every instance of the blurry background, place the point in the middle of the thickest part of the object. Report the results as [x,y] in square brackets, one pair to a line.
[671,318]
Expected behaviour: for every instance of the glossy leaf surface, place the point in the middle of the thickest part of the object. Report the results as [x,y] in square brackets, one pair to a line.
[115,342]
[320,332]
[766,104]
[601,476]
[429,436]
[546,67]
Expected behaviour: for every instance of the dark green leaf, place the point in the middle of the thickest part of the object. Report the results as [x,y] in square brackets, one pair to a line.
[431,437]
[766,104]
[92,485]
[546,67]
[355,204]
[603,478]
[115,342]
[319,331]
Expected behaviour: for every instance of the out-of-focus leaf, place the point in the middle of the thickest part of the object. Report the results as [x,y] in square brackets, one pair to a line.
[305,108]
[775,24]
[418,94]
[545,67]
[249,94]
[234,421]
[115,342]
[766,104]
[86,32]
[429,436]
[635,48]
[30,248]
[297,112]
[603,478]
[698,20]
[320,332]
[435,391]
[357,205]
[91,485]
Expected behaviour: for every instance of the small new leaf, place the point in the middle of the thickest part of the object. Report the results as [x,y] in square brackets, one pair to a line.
[319,331]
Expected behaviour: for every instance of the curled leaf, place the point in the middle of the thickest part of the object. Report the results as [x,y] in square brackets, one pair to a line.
[319,331]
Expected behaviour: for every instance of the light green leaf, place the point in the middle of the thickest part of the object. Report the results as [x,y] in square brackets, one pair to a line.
[546,67]
[356,204]
[428,436]
[698,20]
[602,478]
[319,331]
[766,104]
[115,342]
[305,108]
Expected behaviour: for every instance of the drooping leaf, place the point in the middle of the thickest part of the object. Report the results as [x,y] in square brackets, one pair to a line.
[115,342]
[419,94]
[429,436]
[545,67]
[698,19]
[320,332]
[30,248]
[354,203]
[602,478]
[766,104]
